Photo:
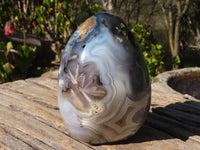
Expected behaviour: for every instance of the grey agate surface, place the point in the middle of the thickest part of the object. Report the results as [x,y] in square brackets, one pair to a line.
[104,90]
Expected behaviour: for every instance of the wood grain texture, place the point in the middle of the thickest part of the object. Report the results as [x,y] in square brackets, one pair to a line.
[30,119]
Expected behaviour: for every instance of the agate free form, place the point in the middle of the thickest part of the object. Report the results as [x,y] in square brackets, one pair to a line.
[103,87]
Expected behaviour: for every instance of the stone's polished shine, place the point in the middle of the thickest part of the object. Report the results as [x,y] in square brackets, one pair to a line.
[104,90]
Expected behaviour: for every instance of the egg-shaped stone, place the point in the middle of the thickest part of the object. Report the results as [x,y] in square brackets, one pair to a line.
[104,89]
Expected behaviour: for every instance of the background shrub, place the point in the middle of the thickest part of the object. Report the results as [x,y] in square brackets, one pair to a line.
[152,51]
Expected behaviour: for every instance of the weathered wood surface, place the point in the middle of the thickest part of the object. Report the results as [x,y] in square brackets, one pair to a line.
[30,119]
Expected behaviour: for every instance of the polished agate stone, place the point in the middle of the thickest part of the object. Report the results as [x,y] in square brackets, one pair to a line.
[104,90]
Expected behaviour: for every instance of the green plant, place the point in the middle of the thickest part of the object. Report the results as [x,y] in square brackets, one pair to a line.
[11,10]
[60,18]
[6,67]
[152,51]
[8,12]
[96,8]
[24,59]
[15,62]
[175,62]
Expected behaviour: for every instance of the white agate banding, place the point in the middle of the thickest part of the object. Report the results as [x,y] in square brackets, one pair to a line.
[103,87]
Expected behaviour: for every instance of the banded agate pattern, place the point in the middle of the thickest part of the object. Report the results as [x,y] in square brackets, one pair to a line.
[104,90]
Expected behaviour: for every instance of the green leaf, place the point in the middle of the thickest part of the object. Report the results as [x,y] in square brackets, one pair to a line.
[159,46]
[153,52]
[60,17]
[64,5]
[96,8]
[9,46]
[39,20]
[15,11]
[2,46]
[42,10]
[176,60]
[61,30]
[8,67]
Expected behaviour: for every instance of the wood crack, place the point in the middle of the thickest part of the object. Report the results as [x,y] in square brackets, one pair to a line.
[25,138]
[32,98]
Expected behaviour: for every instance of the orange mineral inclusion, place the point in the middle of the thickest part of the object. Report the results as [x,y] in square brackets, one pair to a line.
[85,27]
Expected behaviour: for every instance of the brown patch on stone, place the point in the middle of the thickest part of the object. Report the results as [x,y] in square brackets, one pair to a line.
[105,23]
[85,27]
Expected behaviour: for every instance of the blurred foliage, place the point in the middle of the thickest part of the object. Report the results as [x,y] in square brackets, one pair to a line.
[15,63]
[154,54]
[96,8]
[60,18]
[53,20]
[6,67]
[8,12]
[56,20]
[24,59]
[152,51]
